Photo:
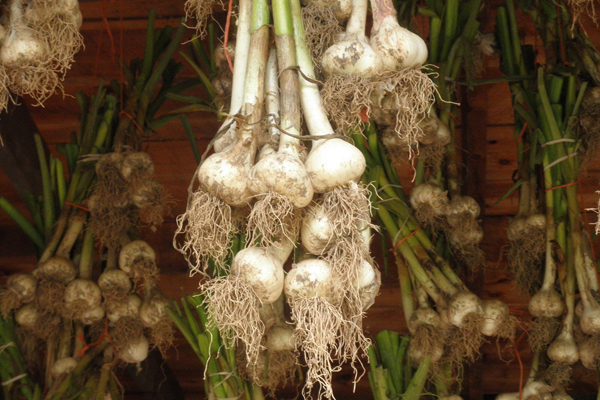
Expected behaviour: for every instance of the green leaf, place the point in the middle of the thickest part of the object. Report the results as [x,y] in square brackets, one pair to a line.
[512,189]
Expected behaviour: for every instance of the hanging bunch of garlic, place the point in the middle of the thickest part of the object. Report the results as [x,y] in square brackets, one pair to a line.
[126,194]
[262,179]
[38,41]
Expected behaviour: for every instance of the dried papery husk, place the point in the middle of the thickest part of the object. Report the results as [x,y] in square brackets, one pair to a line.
[434,131]
[225,174]
[128,308]
[207,227]
[20,289]
[138,260]
[135,350]
[125,330]
[53,276]
[546,303]
[527,249]
[397,148]
[80,295]
[90,317]
[542,331]
[402,98]
[497,320]
[316,232]
[462,305]
[151,200]
[589,132]
[589,351]
[137,167]
[234,301]
[563,349]
[533,390]
[426,340]
[115,285]
[63,366]
[318,322]
[424,316]
[201,10]
[397,46]
[58,23]
[154,317]
[340,8]
[429,202]
[37,322]
[272,313]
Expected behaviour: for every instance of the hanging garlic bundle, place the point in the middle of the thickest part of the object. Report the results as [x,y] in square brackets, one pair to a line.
[221,181]
[41,40]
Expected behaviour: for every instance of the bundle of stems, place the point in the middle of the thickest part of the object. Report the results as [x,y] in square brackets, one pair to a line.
[446,320]
[437,197]
[85,325]
[261,180]
[222,377]
[548,110]
[391,375]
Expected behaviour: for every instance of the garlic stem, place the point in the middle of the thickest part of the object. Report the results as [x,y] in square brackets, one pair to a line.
[358,19]
[240,63]
[74,228]
[312,104]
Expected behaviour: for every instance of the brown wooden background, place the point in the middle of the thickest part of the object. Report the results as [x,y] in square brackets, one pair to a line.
[489,158]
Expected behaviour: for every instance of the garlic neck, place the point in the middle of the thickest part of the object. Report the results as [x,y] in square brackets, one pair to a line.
[358,19]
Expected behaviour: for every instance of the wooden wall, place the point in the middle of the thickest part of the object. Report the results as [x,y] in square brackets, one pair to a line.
[489,159]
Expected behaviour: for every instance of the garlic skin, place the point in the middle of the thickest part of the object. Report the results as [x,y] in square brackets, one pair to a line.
[316,232]
[282,172]
[424,316]
[152,310]
[462,304]
[133,251]
[261,270]
[21,47]
[82,293]
[334,162]
[587,354]
[417,355]
[63,366]
[540,390]
[27,316]
[564,349]
[495,313]
[397,46]
[309,278]
[92,316]
[281,338]
[341,8]
[426,194]
[114,279]
[546,303]
[352,56]
[369,283]
[135,351]
[129,309]
[23,285]
[463,205]
[57,268]
[225,174]
[138,164]
[434,131]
